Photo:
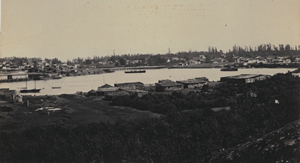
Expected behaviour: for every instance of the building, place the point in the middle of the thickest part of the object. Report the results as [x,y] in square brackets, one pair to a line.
[92,93]
[192,83]
[243,78]
[165,85]
[130,86]
[150,87]
[7,94]
[202,78]
[105,89]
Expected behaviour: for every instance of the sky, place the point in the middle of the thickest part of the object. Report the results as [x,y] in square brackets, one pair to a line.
[67,29]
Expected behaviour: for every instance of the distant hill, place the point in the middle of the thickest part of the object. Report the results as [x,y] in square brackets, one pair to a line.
[281,145]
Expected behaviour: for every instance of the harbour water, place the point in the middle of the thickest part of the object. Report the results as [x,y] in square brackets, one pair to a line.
[70,85]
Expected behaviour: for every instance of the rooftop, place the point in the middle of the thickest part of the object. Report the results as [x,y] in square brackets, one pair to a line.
[244,76]
[167,83]
[130,83]
[105,86]
[192,81]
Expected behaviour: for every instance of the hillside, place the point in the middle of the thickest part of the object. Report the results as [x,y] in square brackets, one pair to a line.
[281,145]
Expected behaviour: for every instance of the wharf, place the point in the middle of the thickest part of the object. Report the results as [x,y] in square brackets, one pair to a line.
[136,68]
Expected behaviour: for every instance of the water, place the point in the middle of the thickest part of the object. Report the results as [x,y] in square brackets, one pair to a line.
[70,85]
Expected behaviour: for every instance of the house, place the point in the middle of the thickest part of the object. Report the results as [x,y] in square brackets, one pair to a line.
[270,59]
[164,85]
[105,89]
[193,62]
[130,86]
[92,93]
[200,59]
[105,86]
[150,87]
[192,83]
[202,78]
[7,94]
[243,78]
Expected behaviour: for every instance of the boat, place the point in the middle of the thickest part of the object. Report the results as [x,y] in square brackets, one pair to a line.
[135,71]
[57,77]
[229,69]
[56,87]
[108,71]
[30,90]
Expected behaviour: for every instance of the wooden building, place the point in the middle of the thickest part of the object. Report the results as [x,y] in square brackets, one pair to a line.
[130,86]
[165,85]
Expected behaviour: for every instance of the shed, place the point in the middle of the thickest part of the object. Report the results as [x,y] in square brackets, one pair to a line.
[103,91]
[7,94]
[92,93]
[105,86]
[243,78]
[130,86]
[167,84]
[192,83]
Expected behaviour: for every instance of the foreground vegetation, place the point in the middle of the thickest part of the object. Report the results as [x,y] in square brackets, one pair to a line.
[189,131]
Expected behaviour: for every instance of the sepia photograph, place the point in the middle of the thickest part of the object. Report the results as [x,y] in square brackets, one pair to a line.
[139,81]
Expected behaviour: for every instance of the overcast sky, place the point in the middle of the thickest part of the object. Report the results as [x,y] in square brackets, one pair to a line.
[83,28]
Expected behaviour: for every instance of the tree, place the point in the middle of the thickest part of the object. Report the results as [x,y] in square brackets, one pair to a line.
[269,47]
[88,61]
[69,62]
[56,61]
[156,60]
[122,61]
[287,47]
[281,47]
[48,60]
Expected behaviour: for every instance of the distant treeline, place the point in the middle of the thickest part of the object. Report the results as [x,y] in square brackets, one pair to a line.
[196,135]
[263,50]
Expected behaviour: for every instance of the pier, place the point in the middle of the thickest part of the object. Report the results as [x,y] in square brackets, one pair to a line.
[137,68]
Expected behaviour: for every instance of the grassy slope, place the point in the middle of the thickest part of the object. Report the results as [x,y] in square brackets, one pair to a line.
[76,111]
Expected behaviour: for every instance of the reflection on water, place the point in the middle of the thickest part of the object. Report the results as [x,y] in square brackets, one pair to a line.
[85,83]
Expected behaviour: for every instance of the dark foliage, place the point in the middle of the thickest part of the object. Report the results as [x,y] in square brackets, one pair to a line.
[192,135]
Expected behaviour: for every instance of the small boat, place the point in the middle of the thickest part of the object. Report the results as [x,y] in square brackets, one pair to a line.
[56,87]
[229,69]
[135,71]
